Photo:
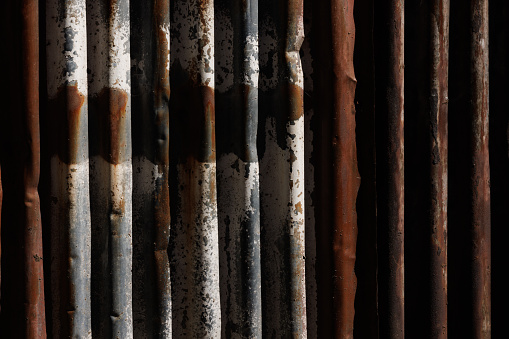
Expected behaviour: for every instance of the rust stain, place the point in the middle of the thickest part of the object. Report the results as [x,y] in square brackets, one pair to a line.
[296,107]
[112,118]
[65,119]
[345,173]
[34,289]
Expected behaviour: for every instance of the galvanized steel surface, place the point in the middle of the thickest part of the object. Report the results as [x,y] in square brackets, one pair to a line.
[232,205]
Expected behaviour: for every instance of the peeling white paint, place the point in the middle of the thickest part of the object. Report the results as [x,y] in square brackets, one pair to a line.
[66,45]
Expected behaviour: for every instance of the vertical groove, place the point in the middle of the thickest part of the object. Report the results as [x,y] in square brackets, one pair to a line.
[161,86]
[480,171]
[110,167]
[236,97]
[344,167]
[390,166]
[195,246]
[439,27]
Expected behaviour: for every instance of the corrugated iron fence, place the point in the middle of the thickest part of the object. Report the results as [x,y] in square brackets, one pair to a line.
[255,168]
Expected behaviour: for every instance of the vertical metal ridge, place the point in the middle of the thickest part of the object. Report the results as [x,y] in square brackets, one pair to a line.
[390,166]
[282,183]
[111,167]
[307,58]
[195,246]
[66,49]
[439,30]
[295,143]
[162,139]
[480,171]
[1,199]
[346,178]
[35,319]
[237,66]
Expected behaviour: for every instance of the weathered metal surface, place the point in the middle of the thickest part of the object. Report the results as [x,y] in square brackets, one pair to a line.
[345,178]
[66,49]
[237,72]
[110,167]
[35,319]
[150,47]
[366,295]
[281,151]
[390,166]
[480,171]
[439,31]
[195,243]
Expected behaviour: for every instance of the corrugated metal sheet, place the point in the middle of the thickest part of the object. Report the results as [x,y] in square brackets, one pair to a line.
[248,169]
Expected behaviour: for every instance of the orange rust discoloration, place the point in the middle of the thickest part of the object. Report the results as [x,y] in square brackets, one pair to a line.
[345,178]
[34,277]
[296,107]
[112,119]
[65,110]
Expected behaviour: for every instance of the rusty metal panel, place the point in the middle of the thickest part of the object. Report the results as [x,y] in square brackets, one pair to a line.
[297,222]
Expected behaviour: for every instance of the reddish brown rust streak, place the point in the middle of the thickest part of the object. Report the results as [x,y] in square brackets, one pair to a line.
[113,105]
[345,173]
[480,173]
[65,109]
[439,161]
[34,289]
[296,95]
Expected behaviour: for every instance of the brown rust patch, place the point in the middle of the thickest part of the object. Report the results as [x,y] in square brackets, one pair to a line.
[112,116]
[296,106]
[65,118]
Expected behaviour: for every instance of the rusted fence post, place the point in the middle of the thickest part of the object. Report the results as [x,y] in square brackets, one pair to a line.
[480,171]
[439,30]
[70,202]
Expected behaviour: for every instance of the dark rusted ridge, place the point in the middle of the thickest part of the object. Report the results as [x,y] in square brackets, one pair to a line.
[480,172]
[390,165]
[161,87]
[439,30]
[34,289]
[366,296]
[346,178]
